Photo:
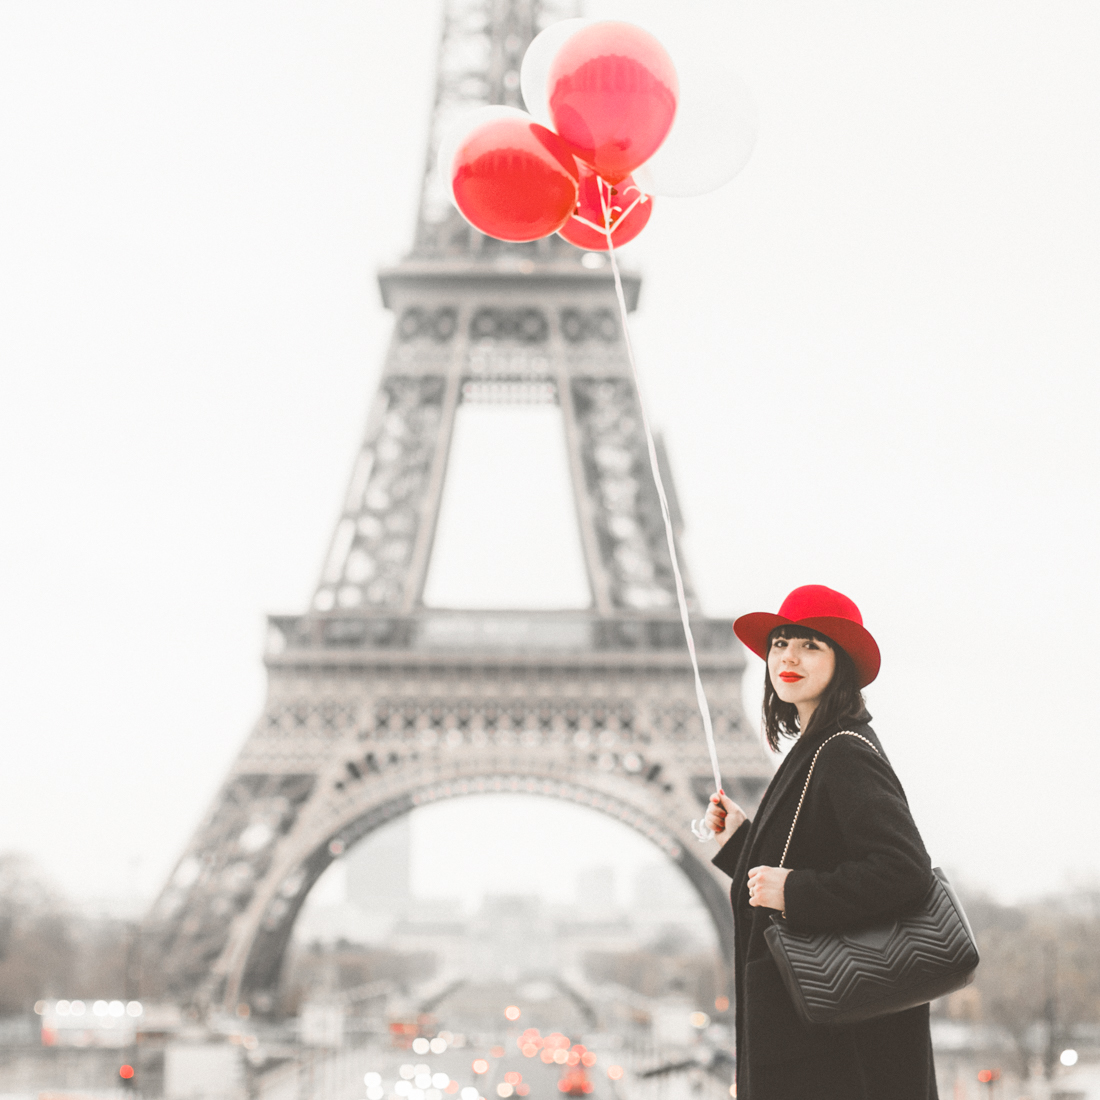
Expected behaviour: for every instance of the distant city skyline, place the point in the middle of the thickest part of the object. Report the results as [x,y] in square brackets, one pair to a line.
[522,844]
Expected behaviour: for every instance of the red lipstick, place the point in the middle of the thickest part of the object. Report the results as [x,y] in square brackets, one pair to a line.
[789,677]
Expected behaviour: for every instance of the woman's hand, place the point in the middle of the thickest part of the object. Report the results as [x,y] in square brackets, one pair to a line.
[724,817]
[766,887]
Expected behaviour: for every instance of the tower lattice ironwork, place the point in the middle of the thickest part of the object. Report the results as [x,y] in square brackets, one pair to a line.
[378,704]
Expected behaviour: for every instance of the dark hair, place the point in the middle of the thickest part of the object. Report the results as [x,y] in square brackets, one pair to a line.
[841,703]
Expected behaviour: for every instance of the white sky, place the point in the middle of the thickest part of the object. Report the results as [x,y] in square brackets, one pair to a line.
[873,356]
[498,544]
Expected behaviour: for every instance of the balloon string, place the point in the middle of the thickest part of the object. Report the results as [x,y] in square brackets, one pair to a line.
[698,828]
[591,225]
[617,222]
[642,197]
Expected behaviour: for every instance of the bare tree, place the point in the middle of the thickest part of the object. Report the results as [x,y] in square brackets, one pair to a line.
[1039,977]
[36,950]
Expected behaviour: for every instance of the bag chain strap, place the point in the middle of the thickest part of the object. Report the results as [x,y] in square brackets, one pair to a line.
[806,787]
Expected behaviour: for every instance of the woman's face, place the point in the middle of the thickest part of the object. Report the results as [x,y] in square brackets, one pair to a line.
[800,669]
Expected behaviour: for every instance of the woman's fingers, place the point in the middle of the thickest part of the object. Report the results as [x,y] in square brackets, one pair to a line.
[723,815]
[730,806]
[766,887]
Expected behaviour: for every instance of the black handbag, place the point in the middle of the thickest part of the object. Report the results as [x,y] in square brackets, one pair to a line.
[888,966]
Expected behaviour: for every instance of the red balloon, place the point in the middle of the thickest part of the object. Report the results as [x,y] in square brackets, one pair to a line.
[624,200]
[612,93]
[515,180]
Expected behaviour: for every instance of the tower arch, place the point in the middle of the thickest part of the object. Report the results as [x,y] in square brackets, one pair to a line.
[254,968]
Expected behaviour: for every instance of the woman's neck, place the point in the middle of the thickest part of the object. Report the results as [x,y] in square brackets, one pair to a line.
[805,713]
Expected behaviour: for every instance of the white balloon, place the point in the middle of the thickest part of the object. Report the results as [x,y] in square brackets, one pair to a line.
[711,139]
[455,135]
[535,69]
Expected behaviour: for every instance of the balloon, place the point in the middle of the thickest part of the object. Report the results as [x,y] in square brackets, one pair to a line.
[711,138]
[590,208]
[460,128]
[536,65]
[515,180]
[612,92]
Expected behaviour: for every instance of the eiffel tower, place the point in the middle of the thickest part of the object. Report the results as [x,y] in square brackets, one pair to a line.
[378,704]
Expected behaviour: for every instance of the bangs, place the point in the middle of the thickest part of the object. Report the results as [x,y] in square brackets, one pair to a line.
[789,630]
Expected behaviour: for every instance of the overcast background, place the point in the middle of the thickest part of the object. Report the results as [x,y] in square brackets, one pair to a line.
[873,357]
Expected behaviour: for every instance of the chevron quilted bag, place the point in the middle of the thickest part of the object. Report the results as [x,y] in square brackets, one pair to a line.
[844,977]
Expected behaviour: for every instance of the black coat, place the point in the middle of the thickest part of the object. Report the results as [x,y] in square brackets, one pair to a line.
[856,855]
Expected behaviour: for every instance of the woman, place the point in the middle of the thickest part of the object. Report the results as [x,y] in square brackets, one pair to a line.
[855,856]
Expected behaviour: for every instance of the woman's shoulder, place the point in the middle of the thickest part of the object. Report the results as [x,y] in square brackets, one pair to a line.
[856,766]
[855,744]
[859,736]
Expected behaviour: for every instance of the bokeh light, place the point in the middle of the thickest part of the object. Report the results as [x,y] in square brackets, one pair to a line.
[615,1073]
[480,1066]
[512,1012]
[1068,1057]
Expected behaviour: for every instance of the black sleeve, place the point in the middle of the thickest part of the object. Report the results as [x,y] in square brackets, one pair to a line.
[885,868]
[730,852]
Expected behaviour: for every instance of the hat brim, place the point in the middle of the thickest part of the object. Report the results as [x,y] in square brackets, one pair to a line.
[753,629]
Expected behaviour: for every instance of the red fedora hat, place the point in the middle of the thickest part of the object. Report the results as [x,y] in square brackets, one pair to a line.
[822,609]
